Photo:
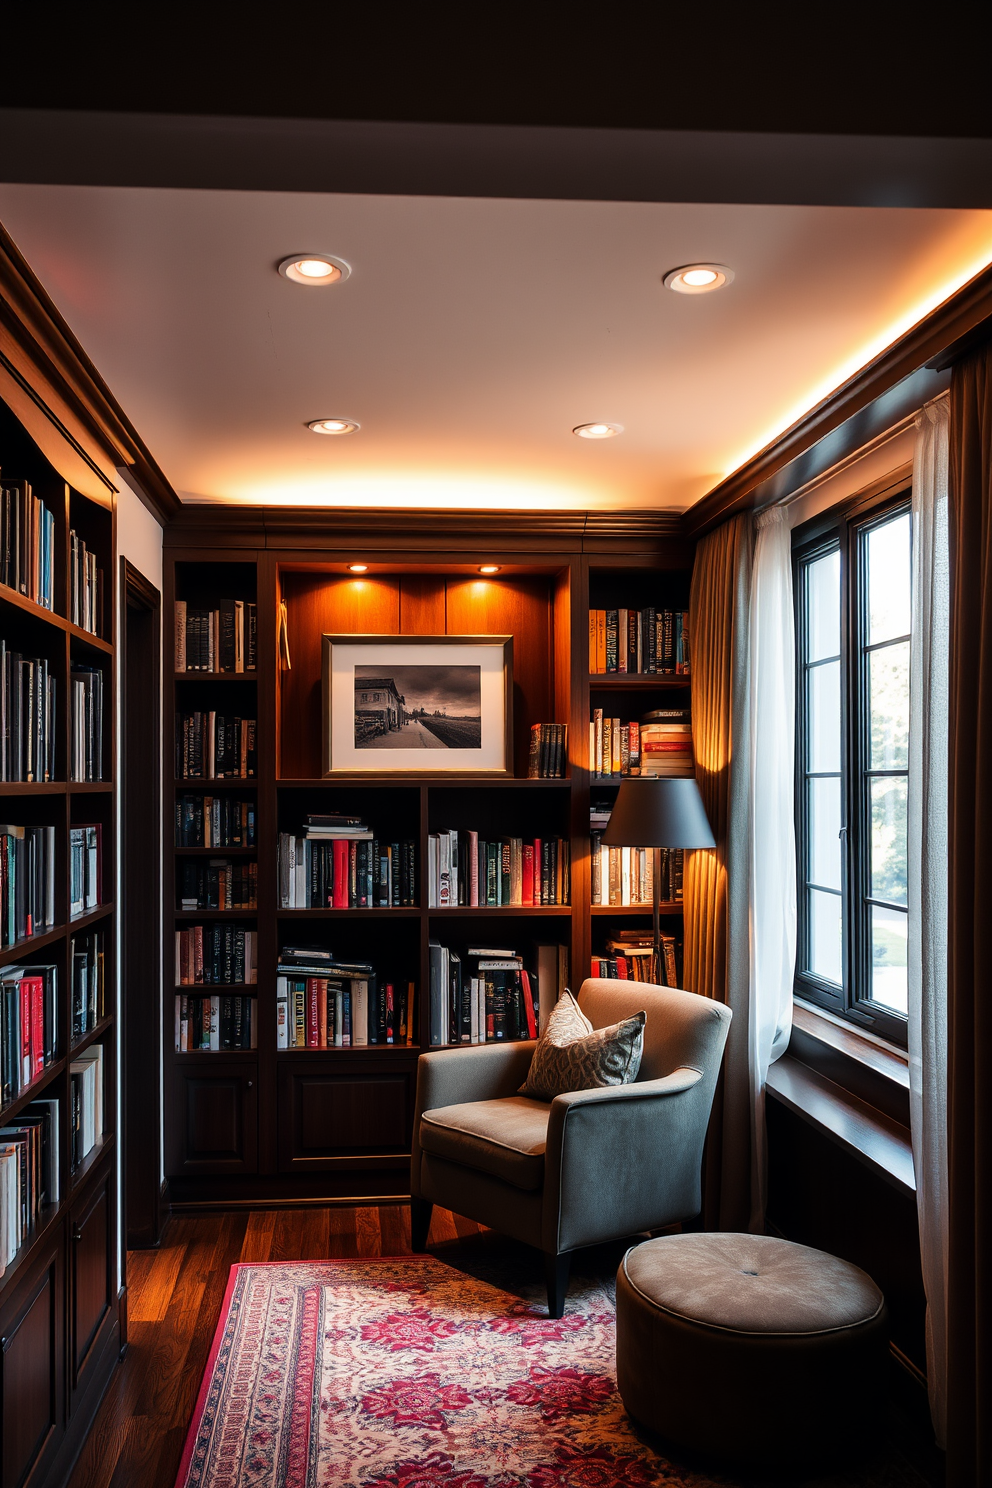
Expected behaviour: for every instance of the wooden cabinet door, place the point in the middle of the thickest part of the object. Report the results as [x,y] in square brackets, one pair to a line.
[354,1117]
[215,1118]
[32,1369]
[92,1300]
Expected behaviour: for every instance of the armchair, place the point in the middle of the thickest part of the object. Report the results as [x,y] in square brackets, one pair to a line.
[588,1166]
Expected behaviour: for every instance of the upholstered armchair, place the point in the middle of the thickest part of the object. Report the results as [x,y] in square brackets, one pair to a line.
[585,1167]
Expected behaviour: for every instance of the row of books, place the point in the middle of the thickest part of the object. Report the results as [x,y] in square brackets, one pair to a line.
[214,821]
[660,745]
[342,873]
[214,746]
[29,1173]
[85,587]
[216,955]
[87,967]
[625,875]
[648,642]
[28,1026]
[548,751]
[85,867]
[85,1103]
[631,957]
[27,543]
[218,884]
[215,1021]
[485,994]
[220,640]
[86,723]
[27,882]
[322,1003]
[27,717]
[463,868]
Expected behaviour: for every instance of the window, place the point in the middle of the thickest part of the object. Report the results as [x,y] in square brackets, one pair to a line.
[852,587]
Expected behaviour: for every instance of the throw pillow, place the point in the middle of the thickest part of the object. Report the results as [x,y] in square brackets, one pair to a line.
[572,1055]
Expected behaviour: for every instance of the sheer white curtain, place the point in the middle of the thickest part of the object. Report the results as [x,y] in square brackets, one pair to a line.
[772,868]
[927,861]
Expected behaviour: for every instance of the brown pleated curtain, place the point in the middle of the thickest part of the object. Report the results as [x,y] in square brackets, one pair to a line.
[715,887]
[969,987]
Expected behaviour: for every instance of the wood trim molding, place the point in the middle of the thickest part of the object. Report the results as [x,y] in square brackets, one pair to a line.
[898,375]
[40,350]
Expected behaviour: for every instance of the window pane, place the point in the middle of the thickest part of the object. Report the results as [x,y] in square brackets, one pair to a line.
[824,717]
[888,580]
[888,839]
[825,935]
[824,833]
[823,607]
[888,958]
[888,684]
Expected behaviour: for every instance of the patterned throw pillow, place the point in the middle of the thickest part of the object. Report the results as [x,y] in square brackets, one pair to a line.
[572,1055]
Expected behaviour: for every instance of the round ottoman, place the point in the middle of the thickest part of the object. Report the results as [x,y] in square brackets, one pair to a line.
[747,1348]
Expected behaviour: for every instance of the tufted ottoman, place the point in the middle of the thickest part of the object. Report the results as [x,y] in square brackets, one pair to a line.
[748,1348]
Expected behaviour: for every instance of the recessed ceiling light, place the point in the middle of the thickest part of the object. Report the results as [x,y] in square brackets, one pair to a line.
[698,278]
[489,568]
[334,426]
[358,568]
[314,269]
[597,431]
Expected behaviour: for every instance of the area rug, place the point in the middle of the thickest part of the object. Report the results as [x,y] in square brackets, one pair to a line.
[409,1373]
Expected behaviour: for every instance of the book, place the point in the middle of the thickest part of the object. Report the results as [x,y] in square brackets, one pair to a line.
[222,639]
[215,821]
[548,751]
[464,869]
[648,642]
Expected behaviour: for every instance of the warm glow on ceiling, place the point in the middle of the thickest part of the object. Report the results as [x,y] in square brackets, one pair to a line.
[598,431]
[314,269]
[334,426]
[693,279]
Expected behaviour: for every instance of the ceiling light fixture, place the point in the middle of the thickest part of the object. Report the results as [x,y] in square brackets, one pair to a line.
[597,431]
[489,568]
[358,568]
[314,269]
[334,426]
[700,278]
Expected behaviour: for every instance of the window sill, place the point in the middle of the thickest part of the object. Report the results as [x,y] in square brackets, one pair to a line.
[865,1066]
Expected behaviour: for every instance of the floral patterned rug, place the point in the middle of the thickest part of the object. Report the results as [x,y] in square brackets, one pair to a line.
[410,1373]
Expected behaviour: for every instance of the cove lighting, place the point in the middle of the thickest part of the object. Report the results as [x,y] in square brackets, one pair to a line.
[698,278]
[314,269]
[597,431]
[489,568]
[358,568]
[334,426]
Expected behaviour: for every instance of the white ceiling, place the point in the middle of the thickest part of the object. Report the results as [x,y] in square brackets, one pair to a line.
[473,334]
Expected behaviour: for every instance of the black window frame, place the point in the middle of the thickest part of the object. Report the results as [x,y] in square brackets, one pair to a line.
[844,528]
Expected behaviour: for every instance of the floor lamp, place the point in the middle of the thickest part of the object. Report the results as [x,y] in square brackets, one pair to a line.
[656,812]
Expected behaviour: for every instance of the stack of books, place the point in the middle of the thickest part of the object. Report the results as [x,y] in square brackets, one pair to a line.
[86,964]
[220,640]
[29,1174]
[86,722]
[216,955]
[647,642]
[215,746]
[666,743]
[27,882]
[631,957]
[548,751]
[85,1103]
[28,1026]
[27,717]
[85,587]
[214,1022]
[85,867]
[27,543]
[338,862]
[214,821]
[218,884]
[465,869]
[322,1003]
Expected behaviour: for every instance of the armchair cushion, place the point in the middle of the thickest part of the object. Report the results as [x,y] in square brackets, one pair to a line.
[505,1137]
[572,1055]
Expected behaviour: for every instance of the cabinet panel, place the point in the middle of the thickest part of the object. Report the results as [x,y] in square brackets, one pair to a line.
[217,1126]
[33,1370]
[325,1116]
[91,1278]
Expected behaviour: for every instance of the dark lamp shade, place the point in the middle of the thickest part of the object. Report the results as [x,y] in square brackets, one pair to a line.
[658,812]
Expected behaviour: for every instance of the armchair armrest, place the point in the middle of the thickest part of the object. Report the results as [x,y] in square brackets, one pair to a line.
[476,1072]
[624,1158]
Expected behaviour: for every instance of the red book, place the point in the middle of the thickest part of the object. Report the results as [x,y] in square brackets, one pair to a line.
[390,1014]
[528,1004]
[622,968]
[595,967]
[25,990]
[37,1027]
[527,875]
[313,1014]
[342,873]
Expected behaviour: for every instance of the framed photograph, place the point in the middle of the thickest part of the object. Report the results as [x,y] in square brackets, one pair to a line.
[418,705]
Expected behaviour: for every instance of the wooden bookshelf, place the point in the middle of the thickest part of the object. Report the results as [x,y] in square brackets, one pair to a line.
[266,1124]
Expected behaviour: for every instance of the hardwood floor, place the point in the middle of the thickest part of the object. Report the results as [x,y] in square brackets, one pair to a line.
[174,1301]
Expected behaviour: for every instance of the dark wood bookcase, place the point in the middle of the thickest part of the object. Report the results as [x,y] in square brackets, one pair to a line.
[267,1125]
[59,1297]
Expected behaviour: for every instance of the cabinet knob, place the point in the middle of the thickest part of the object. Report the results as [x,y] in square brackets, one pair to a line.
[77,1234]
[250,1084]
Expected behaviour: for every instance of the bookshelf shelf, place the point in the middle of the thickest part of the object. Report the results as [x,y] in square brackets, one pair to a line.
[195,676]
[90,917]
[78,1176]
[32,788]
[91,788]
[28,606]
[54,1071]
[216,914]
[372,911]
[93,1037]
[204,782]
[86,638]
[199,989]
[637,681]
[432,782]
[38,1232]
[30,945]
[500,911]
[216,852]
[667,907]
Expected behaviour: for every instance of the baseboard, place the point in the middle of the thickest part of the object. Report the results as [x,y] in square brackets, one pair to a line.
[335,1201]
